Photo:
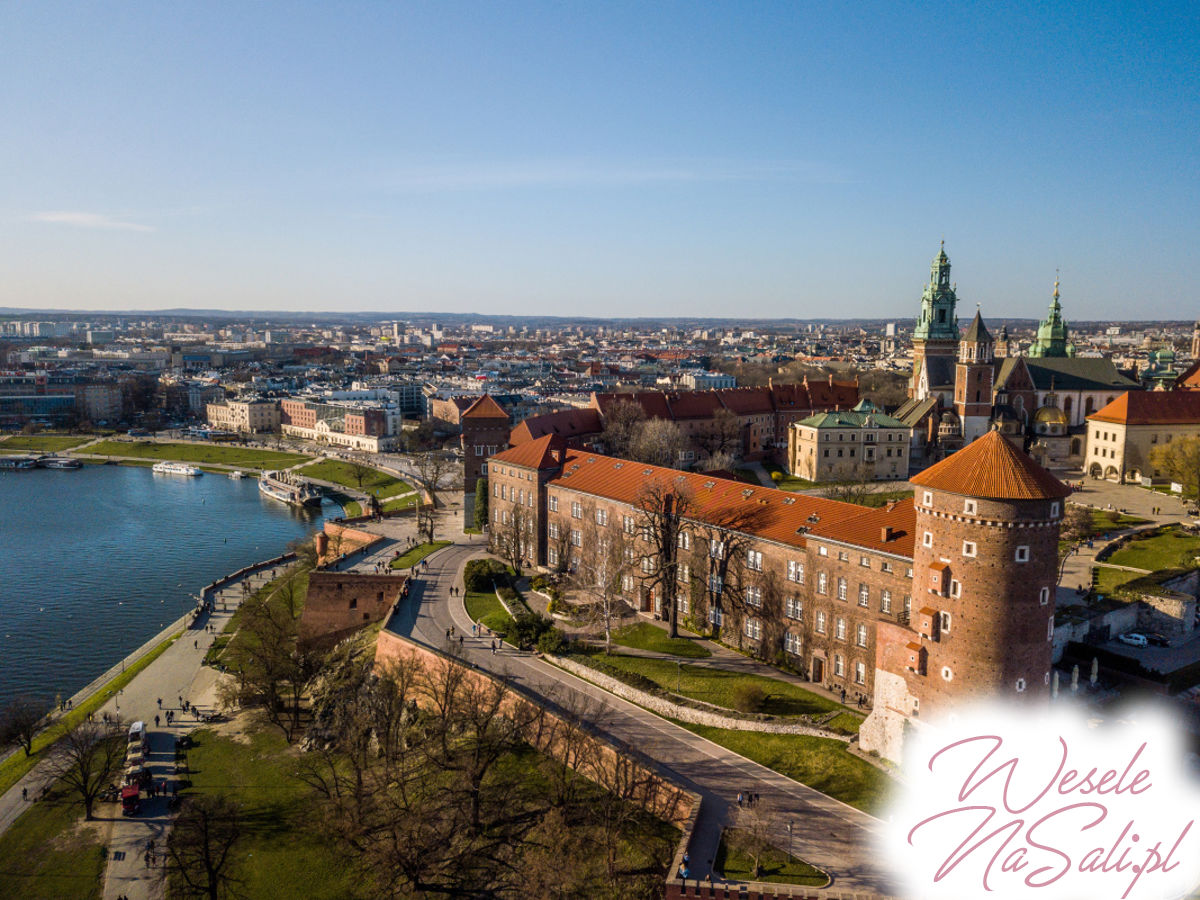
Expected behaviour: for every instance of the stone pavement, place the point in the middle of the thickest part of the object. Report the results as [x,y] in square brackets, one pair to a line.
[827,833]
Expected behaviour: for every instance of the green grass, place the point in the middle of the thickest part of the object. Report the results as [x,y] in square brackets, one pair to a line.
[486,609]
[822,763]
[644,636]
[1169,549]
[247,457]
[282,855]
[416,554]
[381,484]
[48,854]
[44,443]
[775,866]
[1110,520]
[883,498]
[720,687]
[1108,580]
[14,768]
[845,723]
[787,482]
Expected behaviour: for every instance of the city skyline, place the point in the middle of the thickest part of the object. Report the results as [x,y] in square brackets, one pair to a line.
[649,161]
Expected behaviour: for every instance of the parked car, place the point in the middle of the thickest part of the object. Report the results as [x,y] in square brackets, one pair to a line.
[1157,640]
[1133,640]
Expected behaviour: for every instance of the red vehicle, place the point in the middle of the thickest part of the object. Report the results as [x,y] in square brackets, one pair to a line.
[131,800]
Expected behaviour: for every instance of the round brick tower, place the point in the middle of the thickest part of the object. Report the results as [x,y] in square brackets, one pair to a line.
[985,568]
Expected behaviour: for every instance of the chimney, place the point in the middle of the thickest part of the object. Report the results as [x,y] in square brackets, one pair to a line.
[886,533]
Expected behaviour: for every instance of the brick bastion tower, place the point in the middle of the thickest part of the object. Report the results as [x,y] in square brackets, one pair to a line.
[985,567]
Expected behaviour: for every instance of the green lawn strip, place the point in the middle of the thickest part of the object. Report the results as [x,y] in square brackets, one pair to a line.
[1108,580]
[44,443]
[249,457]
[1104,520]
[845,723]
[283,854]
[397,503]
[416,554]
[644,636]
[775,866]
[14,768]
[49,853]
[375,482]
[486,609]
[1170,549]
[822,763]
[270,591]
[717,686]
[787,482]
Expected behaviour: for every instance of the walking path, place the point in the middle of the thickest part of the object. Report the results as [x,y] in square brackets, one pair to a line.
[828,833]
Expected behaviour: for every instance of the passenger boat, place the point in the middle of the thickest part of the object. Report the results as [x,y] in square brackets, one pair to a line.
[59,462]
[18,462]
[288,488]
[175,468]
[236,474]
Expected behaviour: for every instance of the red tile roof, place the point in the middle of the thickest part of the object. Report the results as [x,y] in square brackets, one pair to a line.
[769,513]
[543,453]
[1151,408]
[567,423]
[991,468]
[485,408]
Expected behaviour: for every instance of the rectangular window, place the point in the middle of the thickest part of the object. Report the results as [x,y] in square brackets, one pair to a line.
[793,608]
[576,510]
[927,539]
[955,588]
[647,565]
[552,530]
[945,623]
[576,537]
[839,665]
[885,602]
[716,549]
[552,503]
[840,632]
[791,643]
[843,556]
[841,588]
[822,551]
[684,540]
[860,635]
[1023,554]
[1054,510]
[885,566]
[715,615]
[503,492]
[860,673]
[754,560]
[968,548]
[819,625]
[927,498]
[754,629]
[864,595]
[795,571]
[684,603]
[495,490]
[627,584]
[602,517]
[864,561]
[716,584]
[1044,596]
[754,595]
[822,583]
[969,507]
[684,573]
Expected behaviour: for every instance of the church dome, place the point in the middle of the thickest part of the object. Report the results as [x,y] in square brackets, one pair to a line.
[1050,415]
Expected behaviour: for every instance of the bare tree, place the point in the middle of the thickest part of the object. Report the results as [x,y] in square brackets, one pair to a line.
[858,492]
[659,442]
[360,472]
[19,722]
[722,437]
[604,560]
[203,839]
[753,833]
[514,537]
[432,468]
[621,423]
[87,759]
[663,505]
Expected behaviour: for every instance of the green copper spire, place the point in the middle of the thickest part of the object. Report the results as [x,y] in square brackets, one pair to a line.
[937,321]
[1052,333]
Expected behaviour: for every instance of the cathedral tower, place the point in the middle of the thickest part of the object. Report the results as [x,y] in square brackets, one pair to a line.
[973,380]
[935,338]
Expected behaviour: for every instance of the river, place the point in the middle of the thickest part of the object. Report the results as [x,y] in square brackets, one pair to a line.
[96,561]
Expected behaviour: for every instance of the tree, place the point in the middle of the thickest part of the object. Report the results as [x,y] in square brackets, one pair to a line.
[662,505]
[514,538]
[432,468]
[621,423]
[753,832]
[1180,459]
[87,759]
[480,515]
[604,559]
[19,721]
[1076,527]
[723,437]
[659,442]
[360,472]
[857,492]
[201,847]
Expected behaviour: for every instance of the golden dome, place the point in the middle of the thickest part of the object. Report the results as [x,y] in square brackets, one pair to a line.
[1050,415]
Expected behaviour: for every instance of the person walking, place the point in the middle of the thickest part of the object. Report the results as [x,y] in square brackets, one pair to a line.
[156,720]
[493,648]
[160,702]
[25,793]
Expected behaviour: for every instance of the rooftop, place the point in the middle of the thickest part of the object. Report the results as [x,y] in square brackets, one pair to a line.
[992,468]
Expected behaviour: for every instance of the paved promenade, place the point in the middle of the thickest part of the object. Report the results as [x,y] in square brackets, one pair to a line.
[827,833]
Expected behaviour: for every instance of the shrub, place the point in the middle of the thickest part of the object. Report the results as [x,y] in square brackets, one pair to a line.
[749,698]
[507,594]
[539,582]
[479,574]
[552,641]
[526,630]
[777,476]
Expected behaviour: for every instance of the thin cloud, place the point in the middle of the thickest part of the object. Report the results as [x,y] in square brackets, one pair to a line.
[492,177]
[77,219]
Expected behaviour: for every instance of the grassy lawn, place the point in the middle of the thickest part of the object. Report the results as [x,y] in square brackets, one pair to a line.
[49,854]
[821,763]
[644,636]
[282,855]
[1108,580]
[381,484]
[787,482]
[416,554]
[719,687]
[1167,550]
[14,768]
[249,457]
[1110,520]
[775,866]
[485,609]
[239,640]
[44,443]
[883,498]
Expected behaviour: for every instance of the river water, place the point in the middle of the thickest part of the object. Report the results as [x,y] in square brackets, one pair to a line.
[96,561]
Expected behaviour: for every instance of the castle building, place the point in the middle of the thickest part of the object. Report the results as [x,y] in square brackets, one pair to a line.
[485,427]
[908,608]
[935,337]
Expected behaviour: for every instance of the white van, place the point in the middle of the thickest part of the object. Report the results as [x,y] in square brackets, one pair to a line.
[1133,640]
[137,732]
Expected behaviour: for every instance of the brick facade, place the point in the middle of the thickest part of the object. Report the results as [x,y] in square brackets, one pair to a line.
[339,603]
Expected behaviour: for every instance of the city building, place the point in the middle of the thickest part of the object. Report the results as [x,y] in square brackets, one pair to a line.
[860,444]
[244,416]
[1122,435]
[485,427]
[907,608]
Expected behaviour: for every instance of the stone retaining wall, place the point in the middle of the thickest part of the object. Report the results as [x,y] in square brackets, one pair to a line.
[686,713]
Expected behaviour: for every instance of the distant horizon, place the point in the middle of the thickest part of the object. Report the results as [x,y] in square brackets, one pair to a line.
[629,158]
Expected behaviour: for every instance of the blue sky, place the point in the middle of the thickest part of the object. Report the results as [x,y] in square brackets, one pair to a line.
[723,159]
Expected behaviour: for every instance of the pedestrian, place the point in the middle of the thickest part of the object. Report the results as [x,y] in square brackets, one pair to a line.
[739,798]
[474,631]
[24,793]
[460,642]
[493,648]
[160,702]
[195,645]
[447,634]
[156,720]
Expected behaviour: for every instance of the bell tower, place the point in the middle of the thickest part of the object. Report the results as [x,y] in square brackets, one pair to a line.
[973,380]
[936,332]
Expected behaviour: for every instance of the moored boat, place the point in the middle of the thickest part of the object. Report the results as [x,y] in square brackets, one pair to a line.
[175,468]
[18,462]
[288,488]
[237,474]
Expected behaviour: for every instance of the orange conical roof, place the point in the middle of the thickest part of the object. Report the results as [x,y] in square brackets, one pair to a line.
[992,468]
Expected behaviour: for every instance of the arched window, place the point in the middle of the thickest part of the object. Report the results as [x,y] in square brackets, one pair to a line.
[1088,407]
[1067,404]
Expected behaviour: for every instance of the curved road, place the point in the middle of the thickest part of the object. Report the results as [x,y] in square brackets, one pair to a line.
[827,833]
